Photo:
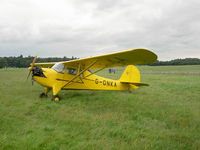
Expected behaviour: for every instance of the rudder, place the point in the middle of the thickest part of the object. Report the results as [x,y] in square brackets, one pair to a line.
[131,74]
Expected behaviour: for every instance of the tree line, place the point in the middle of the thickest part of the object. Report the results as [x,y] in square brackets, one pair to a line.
[23,62]
[185,61]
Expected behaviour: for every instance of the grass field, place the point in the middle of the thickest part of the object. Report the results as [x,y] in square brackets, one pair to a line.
[165,115]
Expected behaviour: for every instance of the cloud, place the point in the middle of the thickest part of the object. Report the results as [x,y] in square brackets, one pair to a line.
[95,27]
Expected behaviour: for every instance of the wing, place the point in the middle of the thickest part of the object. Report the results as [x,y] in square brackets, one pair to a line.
[133,56]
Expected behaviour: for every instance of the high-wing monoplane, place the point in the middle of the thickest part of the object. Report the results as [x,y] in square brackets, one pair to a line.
[76,74]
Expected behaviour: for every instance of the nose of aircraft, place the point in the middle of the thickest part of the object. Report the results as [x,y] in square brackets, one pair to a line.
[37,71]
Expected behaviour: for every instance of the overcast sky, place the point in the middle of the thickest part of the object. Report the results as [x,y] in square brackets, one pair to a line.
[84,28]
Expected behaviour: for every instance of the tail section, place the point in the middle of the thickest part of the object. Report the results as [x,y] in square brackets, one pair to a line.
[131,75]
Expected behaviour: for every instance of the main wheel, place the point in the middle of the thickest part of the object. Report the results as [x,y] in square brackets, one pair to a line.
[55,98]
[42,95]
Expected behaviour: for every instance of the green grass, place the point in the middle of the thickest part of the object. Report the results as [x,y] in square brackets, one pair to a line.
[165,115]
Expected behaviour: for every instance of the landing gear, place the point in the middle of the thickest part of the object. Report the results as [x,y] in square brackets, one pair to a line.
[43,95]
[56,98]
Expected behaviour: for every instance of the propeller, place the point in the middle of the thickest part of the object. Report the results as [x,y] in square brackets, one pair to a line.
[31,67]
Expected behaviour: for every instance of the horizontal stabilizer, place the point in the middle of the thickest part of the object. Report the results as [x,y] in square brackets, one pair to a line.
[136,84]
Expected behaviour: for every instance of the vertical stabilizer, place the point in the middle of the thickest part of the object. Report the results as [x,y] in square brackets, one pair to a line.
[131,75]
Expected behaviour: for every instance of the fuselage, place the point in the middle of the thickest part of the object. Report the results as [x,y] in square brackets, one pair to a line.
[86,81]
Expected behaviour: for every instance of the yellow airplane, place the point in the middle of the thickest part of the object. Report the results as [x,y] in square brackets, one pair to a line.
[76,74]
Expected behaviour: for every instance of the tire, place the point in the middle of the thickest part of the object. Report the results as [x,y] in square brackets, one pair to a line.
[56,98]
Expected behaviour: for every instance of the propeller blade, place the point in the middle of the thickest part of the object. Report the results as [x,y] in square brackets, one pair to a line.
[31,68]
[32,81]
[32,64]
[28,75]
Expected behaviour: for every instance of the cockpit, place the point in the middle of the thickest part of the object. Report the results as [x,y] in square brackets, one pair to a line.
[58,67]
[61,68]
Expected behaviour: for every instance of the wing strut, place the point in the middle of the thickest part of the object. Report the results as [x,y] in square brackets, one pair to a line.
[94,72]
[79,73]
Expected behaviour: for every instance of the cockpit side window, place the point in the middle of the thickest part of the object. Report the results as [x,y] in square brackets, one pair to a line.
[58,67]
[72,71]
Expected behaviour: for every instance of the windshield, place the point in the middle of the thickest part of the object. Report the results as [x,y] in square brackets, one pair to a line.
[58,67]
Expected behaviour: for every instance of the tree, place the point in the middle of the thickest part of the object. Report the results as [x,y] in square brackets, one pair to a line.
[3,62]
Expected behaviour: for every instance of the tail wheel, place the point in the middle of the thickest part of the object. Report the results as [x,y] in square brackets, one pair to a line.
[56,98]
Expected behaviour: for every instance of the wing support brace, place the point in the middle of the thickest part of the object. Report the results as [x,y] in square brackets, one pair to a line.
[56,88]
[79,73]
[94,72]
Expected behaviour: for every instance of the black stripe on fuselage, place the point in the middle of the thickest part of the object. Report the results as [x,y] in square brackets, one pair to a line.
[70,81]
